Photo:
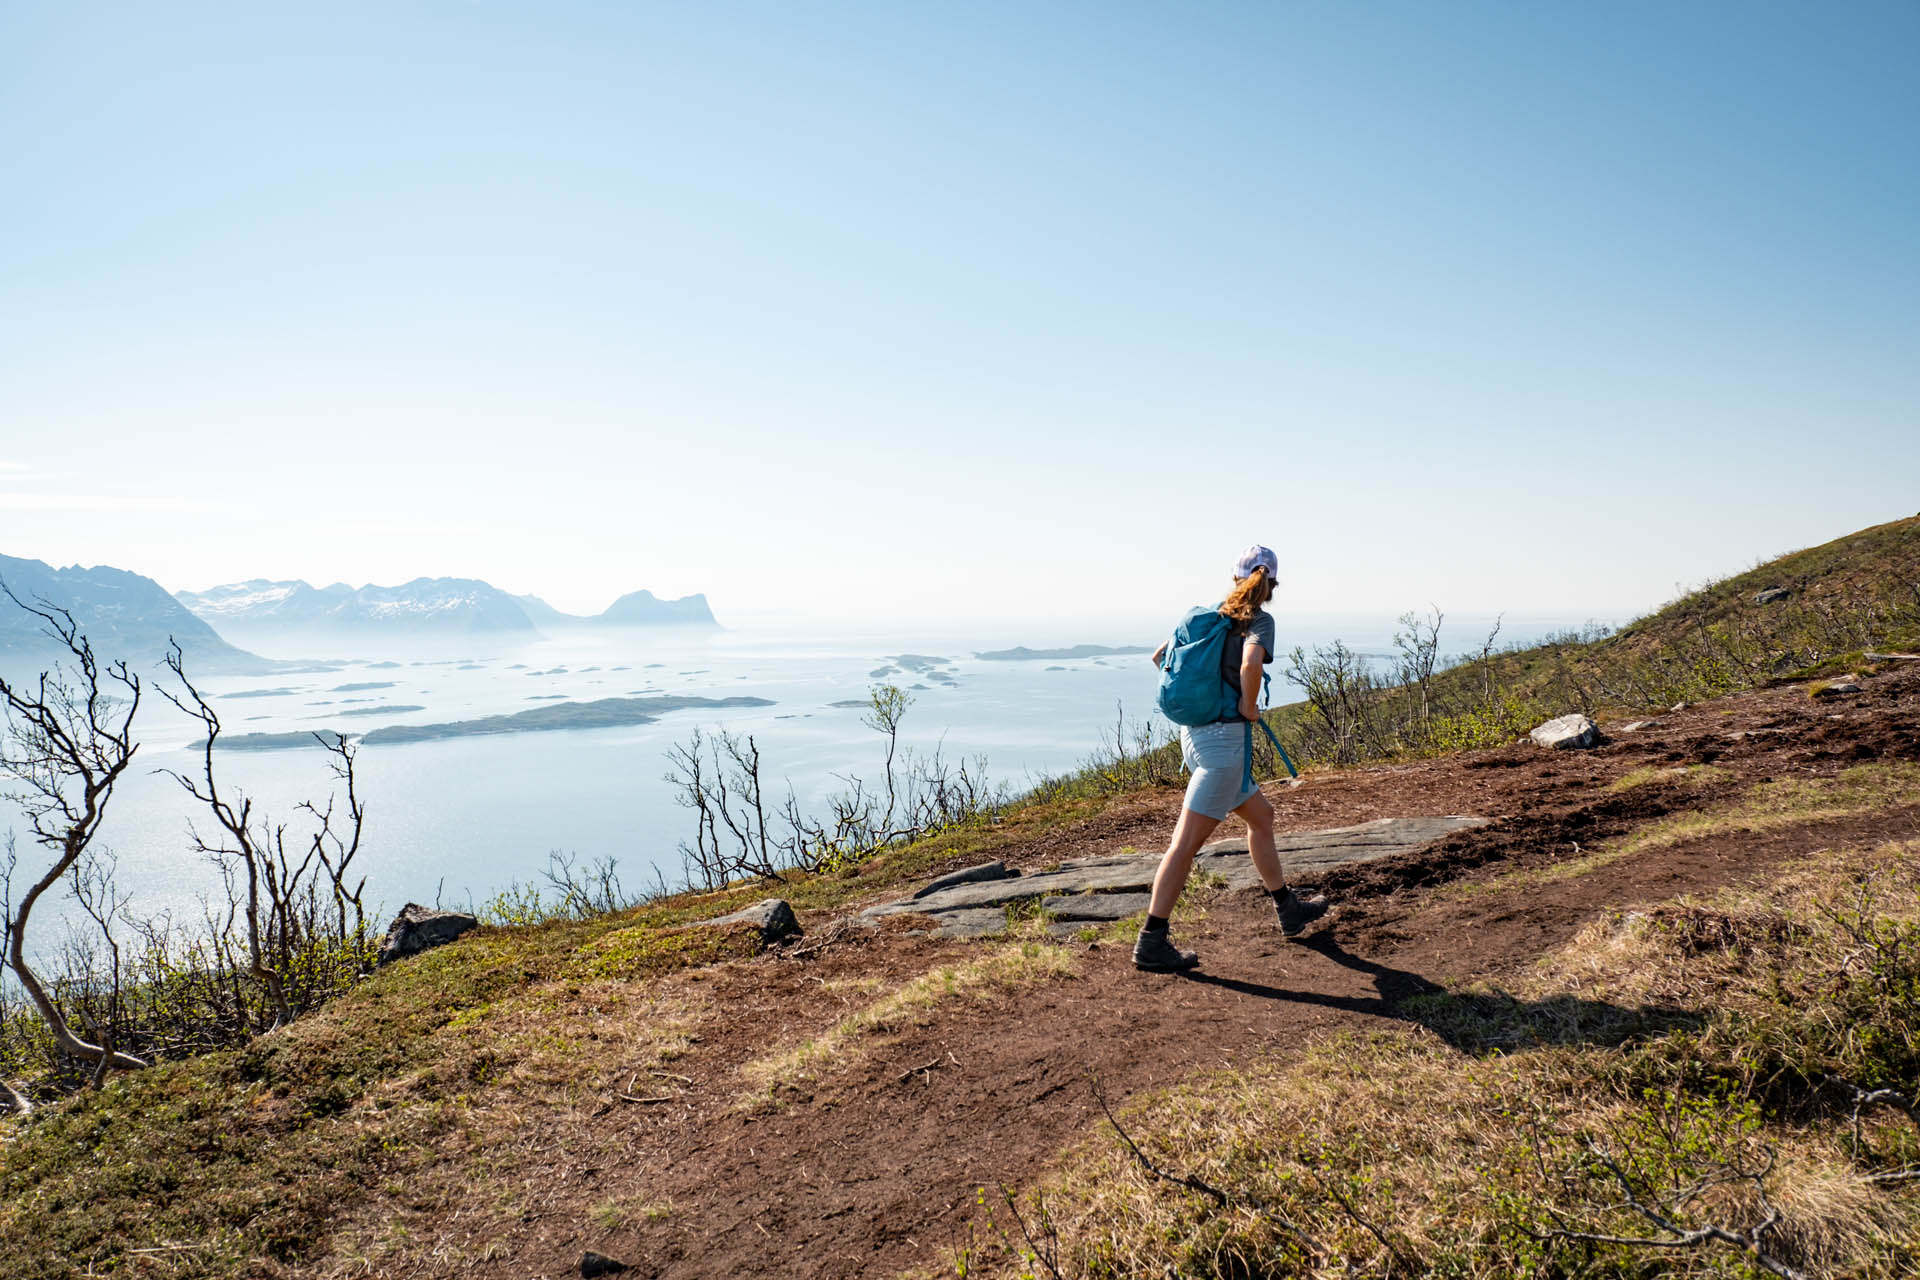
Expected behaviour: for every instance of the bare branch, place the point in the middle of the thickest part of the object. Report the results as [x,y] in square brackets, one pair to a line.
[66,746]
[1677,1236]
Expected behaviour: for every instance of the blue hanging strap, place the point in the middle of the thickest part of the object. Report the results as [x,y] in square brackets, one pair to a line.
[1284,759]
[1266,682]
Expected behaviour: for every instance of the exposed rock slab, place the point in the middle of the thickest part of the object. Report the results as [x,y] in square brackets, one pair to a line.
[1096,906]
[1113,888]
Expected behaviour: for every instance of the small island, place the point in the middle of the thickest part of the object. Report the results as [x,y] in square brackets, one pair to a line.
[1023,654]
[604,713]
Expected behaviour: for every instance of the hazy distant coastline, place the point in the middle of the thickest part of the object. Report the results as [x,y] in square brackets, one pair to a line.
[1020,653]
[435,605]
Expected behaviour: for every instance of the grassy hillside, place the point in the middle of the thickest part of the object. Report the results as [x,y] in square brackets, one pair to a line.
[1705,1043]
[238,1163]
[1845,600]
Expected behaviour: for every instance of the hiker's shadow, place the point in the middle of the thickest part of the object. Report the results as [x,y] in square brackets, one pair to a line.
[1477,1022]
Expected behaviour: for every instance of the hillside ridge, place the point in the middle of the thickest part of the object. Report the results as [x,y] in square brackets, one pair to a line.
[873,1098]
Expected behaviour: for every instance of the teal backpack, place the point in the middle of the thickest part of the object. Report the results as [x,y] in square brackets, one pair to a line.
[1194,688]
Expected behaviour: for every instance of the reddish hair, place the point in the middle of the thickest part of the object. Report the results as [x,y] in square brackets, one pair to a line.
[1247,596]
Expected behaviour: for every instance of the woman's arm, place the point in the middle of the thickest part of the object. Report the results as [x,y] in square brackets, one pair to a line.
[1251,658]
[1161,652]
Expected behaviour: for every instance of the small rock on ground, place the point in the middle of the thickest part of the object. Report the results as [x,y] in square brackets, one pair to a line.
[1772,594]
[966,875]
[599,1264]
[772,916]
[1566,733]
[417,928]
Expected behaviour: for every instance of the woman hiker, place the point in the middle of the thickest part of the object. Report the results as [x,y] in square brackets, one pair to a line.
[1217,755]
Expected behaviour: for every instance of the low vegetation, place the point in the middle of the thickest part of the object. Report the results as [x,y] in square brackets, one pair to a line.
[1713,1088]
[1705,1088]
[1001,969]
[1847,603]
[1859,792]
[240,1159]
[1843,602]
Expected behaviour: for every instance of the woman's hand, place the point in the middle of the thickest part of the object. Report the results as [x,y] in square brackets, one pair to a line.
[1249,711]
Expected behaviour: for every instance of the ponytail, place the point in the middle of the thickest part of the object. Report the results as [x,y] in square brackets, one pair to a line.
[1247,596]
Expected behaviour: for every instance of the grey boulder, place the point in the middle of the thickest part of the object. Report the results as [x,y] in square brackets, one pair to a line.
[1771,594]
[1566,733]
[417,928]
[771,916]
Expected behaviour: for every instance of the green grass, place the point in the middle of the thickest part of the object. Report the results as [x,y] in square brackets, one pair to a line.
[1849,596]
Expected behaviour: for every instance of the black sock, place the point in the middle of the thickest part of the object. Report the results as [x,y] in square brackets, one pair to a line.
[1155,924]
[1281,895]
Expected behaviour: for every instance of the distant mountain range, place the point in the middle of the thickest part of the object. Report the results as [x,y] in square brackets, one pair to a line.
[122,614]
[129,616]
[636,608]
[425,604]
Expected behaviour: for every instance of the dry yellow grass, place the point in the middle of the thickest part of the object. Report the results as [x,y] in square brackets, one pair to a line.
[1769,806]
[1697,775]
[1438,1149]
[1005,967]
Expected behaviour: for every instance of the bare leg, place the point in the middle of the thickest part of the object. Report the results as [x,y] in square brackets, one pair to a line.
[1257,813]
[1188,835]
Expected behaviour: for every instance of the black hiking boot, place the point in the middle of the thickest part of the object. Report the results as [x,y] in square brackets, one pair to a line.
[1156,953]
[1296,913]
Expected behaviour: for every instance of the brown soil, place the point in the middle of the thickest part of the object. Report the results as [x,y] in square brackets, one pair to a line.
[878,1170]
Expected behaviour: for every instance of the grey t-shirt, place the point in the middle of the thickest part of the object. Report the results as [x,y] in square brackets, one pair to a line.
[1262,631]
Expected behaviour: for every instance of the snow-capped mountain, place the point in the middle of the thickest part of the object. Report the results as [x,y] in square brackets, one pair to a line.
[431,604]
[438,604]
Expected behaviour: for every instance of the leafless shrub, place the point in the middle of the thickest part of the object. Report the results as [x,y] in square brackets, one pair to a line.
[298,895]
[739,834]
[68,740]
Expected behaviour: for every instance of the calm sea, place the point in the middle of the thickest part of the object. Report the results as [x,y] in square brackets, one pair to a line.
[460,819]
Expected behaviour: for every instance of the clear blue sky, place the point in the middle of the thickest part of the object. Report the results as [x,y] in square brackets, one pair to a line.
[991,310]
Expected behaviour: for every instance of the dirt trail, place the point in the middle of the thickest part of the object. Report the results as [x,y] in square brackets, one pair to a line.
[876,1172]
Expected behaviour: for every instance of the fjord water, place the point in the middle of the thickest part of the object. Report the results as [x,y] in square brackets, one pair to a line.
[460,818]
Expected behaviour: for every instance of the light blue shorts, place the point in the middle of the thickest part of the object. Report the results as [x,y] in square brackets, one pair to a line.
[1217,755]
